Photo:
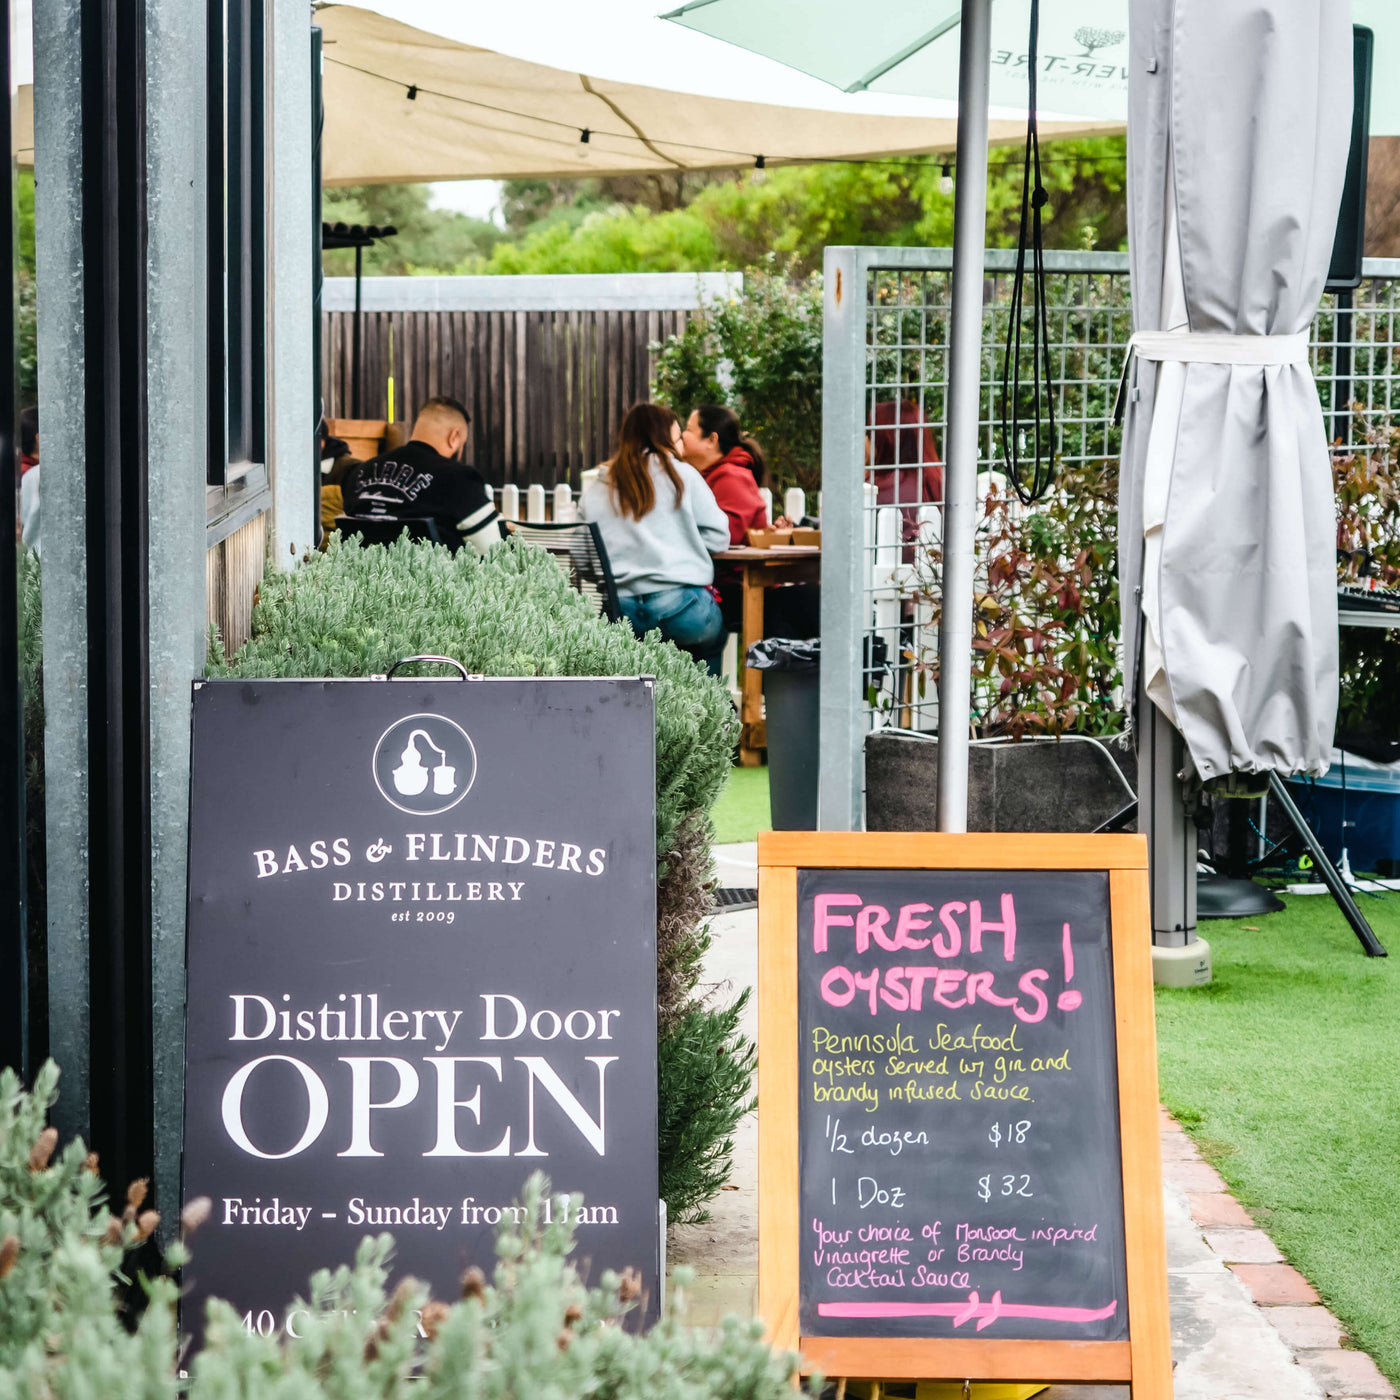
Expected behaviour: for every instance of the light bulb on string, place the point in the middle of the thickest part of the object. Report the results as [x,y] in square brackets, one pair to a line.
[945,179]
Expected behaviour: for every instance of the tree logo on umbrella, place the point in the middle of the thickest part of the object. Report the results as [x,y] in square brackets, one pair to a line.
[424,764]
[1093,39]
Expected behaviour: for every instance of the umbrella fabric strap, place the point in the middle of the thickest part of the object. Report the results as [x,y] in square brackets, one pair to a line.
[1215,348]
[1208,348]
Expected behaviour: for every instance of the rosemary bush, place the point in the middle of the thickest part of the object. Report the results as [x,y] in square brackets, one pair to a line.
[535,1331]
[355,611]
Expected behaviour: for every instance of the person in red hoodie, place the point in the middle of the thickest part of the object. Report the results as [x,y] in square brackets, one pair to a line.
[733,467]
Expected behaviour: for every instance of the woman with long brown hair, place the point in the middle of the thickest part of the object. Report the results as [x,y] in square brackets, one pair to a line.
[660,525]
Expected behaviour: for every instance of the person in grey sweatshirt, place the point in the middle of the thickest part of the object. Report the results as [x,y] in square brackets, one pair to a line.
[660,524]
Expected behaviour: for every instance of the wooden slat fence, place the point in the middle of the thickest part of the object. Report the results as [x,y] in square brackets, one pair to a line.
[546,390]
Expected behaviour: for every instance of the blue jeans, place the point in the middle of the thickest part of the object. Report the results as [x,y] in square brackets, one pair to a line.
[687,616]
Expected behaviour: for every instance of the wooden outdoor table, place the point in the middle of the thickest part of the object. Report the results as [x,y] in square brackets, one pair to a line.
[763,568]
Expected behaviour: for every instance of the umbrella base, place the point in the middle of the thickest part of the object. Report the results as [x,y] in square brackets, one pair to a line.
[1219,897]
[1186,965]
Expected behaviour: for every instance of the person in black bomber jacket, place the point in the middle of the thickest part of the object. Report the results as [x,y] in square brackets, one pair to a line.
[424,478]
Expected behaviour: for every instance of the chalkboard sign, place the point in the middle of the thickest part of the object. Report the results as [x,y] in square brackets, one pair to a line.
[974,1173]
[421,966]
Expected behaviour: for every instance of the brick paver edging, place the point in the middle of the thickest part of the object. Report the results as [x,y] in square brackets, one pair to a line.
[1282,1294]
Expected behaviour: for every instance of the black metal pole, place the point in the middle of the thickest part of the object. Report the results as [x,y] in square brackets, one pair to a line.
[1335,884]
[14,972]
[113,98]
[355,358]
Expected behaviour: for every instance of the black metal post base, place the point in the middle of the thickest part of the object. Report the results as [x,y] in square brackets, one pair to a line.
[1220,897]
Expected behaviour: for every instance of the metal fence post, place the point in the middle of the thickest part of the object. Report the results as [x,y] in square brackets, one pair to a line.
[62,341]
[842,727]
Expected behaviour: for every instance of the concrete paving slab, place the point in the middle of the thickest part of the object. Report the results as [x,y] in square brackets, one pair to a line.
[1273,1285]
[1346,1373]
[1306,1328]
[1187,1250]
[737,865]
[1243,1246]
[1224,1347]
[1217,1209]
[1192,1176]
[1177,1147]
[723,1251]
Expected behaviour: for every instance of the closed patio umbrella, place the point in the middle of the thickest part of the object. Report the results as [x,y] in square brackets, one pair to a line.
[1237,145]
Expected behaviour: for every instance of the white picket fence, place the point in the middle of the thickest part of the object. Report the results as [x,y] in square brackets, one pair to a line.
[560,505]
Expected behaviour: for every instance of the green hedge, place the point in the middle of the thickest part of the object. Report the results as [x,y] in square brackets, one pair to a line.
[355,611]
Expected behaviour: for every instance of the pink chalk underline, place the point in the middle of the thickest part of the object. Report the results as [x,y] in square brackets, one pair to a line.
[986,1313]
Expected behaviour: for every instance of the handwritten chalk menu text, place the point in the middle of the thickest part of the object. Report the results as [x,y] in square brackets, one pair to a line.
[959,1137]
[421,966]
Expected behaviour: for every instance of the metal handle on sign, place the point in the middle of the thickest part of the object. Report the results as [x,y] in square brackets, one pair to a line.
[440,660]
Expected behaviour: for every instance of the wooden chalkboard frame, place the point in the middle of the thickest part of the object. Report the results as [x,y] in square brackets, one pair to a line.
[1144,1360]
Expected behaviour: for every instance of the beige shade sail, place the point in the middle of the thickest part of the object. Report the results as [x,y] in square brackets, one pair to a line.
[478,114]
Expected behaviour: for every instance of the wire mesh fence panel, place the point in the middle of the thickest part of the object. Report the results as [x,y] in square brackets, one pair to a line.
[1354,355]
[1047,622]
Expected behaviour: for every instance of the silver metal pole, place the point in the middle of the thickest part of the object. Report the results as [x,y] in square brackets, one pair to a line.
[964,413]
[179,382]
[1171,837]
[58,215]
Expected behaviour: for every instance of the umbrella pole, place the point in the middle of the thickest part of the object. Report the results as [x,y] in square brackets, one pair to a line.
[964,415]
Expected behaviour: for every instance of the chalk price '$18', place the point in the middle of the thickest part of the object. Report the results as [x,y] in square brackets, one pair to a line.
[1012,1134]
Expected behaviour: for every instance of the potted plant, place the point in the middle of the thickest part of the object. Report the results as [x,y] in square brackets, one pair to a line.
[1050,753]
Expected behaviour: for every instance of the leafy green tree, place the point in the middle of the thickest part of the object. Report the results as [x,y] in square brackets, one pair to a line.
[702,221]
[761,354]
[618,240]
[428,239]
[798,210]
[26,326]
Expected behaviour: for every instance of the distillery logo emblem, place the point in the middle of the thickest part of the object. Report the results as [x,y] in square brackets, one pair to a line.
[424,764]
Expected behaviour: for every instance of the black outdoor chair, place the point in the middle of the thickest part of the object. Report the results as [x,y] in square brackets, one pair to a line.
[578,549]
[385,529]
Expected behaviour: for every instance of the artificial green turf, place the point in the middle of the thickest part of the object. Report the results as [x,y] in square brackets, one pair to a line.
[1286,1071]
[742,810]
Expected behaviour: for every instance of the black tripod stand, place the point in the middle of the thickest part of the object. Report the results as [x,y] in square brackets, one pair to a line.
[1336,886]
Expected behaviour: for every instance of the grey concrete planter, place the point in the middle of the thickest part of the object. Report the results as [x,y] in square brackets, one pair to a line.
[1070,784]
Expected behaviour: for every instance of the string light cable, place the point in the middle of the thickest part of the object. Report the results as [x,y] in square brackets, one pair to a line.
[758,161]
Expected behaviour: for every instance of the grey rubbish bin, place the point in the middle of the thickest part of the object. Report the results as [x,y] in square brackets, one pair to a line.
[790,696]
